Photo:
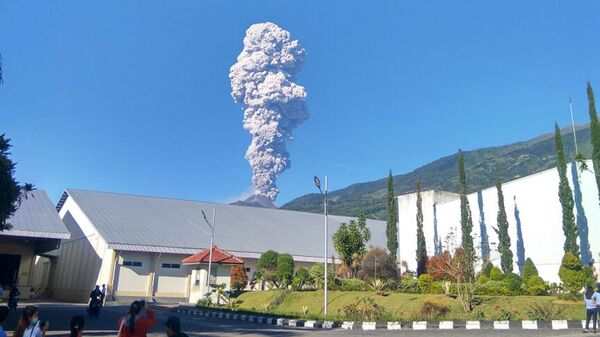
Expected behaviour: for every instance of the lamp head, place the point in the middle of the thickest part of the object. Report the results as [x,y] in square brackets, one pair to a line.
[317,182]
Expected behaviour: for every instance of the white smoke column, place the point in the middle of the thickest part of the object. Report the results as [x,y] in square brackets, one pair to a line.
[263,81]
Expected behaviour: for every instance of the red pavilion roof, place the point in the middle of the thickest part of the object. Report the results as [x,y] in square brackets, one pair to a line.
[219,256]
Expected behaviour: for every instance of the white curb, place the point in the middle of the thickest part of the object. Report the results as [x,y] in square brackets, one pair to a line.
[369,325]
[501,325]
[421,325]
[280,321]
[529,325]
[328,325]
[348,325]
[560,325]
[310,324]
[446,325]
[394,326]
[472,325]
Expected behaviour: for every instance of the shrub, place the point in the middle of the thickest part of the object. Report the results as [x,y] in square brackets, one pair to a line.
[317,275]
[529,270]
[204,302]
[433,310]
[482,279]
[301,279]
[349,284]
[436,267]
[239,278]
[496,274]
[427,285]
[268,261]
[512,282]
[408,286]
[386,265]
[364,309]
[487,269]
[571,273]
[535,286]
[493,288]
[285,269]
[378,286]
[545,312]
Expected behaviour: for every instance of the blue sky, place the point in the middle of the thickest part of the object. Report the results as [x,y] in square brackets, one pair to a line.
[134,96]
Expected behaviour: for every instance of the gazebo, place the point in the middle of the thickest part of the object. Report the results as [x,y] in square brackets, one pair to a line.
[220,270]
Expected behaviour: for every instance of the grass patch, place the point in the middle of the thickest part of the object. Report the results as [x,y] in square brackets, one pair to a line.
[401,307]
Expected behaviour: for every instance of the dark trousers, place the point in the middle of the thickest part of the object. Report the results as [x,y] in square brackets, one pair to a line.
[590,313]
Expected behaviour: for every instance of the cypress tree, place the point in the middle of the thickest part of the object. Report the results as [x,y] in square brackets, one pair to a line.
[595,134]
[421,247]
[565,196]
[466,221]
[506,255]
[391,230]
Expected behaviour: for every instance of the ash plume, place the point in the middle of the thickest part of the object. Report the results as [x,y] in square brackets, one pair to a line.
[262,80]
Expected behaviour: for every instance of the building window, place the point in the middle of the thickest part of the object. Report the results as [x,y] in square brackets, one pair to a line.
[171,265]
[247,270]
[132,264]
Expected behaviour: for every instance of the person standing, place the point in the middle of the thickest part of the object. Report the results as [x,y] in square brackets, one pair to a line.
[138,322]
[103,291]
[590,308]
[173,327]
[13,297]
[29,324]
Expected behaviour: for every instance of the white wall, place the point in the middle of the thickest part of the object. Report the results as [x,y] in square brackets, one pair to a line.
[83,261]
[133,281]
[540,213]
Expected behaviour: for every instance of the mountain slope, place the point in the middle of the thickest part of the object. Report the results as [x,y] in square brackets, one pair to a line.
[508,162]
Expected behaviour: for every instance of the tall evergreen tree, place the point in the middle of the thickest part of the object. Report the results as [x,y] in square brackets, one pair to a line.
[421,246]
[565,196]
[391,230]
[466,221]
[506,255]
[595,134]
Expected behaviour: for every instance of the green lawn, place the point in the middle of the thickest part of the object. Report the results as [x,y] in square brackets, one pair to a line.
[401,307]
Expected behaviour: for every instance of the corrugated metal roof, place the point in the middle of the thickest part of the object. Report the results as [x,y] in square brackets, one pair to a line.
[37,218]
[140,223]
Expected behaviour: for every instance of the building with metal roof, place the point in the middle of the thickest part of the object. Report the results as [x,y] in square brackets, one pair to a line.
[130,243]
[35,230]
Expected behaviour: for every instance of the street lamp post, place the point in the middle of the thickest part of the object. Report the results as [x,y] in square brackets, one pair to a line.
[325,286]
[212,238]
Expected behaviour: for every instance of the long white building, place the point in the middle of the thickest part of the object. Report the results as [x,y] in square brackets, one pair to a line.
[534,215]
[137,245]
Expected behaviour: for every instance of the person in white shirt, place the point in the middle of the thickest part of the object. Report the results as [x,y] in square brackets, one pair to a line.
[29,324]
[590,308]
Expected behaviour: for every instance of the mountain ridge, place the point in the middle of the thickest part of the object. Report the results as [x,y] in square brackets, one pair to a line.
[482,166]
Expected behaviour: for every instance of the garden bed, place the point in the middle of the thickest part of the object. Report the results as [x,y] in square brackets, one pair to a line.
[409,307]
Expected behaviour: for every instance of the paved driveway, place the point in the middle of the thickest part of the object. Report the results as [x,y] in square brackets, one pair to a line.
[106,325]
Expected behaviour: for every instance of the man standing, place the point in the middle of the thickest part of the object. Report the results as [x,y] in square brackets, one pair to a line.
[103,296]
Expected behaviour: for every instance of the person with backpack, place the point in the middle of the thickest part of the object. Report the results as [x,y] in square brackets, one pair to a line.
[138,321]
